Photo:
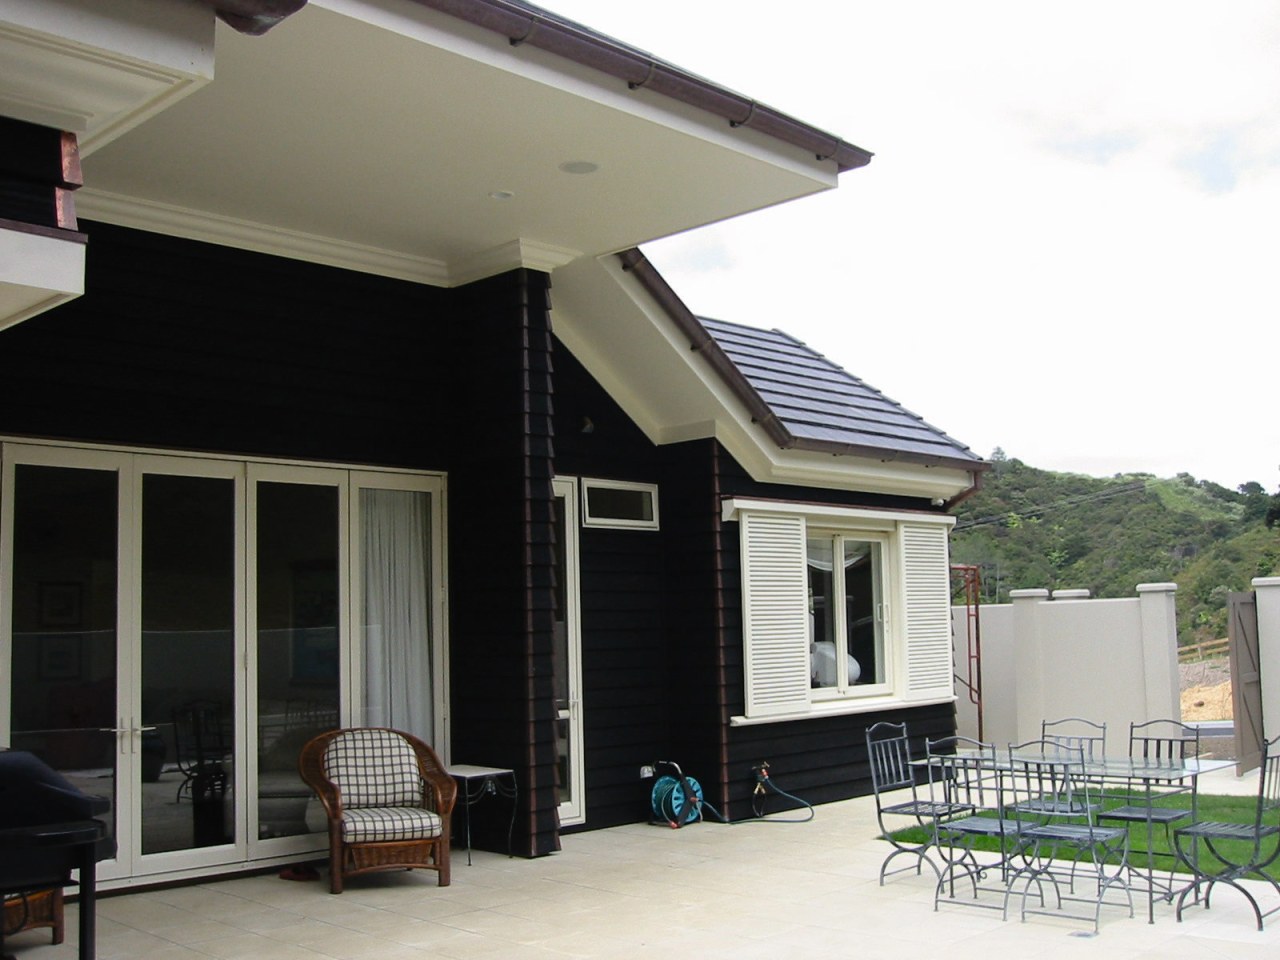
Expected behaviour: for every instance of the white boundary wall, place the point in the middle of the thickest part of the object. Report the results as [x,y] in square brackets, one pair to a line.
[1063,655]
[1268,593]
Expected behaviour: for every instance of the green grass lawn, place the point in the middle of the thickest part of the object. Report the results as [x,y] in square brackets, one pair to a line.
[1227,809]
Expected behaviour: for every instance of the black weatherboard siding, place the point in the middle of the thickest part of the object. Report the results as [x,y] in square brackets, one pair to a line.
[501,548]
[662,627]
[196,347]
[188,346]
[193,346]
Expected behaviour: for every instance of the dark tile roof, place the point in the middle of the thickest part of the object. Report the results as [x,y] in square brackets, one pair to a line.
[824,406]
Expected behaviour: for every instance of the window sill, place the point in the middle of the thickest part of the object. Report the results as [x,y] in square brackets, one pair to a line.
[840,708]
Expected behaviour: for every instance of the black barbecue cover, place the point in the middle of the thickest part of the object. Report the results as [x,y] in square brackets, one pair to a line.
[34,796]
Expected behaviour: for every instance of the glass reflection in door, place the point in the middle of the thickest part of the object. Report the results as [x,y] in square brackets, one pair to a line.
[65,569]
[188,662]
[298,610]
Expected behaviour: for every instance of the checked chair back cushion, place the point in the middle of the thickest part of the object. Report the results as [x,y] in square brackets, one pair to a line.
[374,768]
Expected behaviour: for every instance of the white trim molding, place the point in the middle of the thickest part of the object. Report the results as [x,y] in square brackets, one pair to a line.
[73,65]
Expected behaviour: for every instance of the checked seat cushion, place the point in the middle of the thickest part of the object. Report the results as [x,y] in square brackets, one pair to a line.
[383,824]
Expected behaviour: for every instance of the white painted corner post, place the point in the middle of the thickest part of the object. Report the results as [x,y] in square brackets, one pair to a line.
[1267,591]
[1029,658]
[1160,649]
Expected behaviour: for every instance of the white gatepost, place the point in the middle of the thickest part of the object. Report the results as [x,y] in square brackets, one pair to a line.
[1029,659]
[1267,590]
[1163,699]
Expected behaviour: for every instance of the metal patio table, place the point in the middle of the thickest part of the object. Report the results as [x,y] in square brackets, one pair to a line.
[1165,775]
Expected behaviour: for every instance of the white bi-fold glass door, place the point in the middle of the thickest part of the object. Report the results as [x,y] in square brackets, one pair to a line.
[175,628]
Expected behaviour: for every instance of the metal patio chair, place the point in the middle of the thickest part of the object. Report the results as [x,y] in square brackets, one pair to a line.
[1041,769]
[964,774]
[1256,845]
[1076,732]
[889,753]
[1156,742]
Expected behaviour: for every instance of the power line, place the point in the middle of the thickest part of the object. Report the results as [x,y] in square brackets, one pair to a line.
[1064,502]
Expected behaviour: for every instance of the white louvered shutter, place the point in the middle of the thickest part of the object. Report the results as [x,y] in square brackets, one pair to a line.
[775,610]
[927,591]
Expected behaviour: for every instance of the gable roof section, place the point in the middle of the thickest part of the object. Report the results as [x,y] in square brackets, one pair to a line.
[821,406]
[776,378]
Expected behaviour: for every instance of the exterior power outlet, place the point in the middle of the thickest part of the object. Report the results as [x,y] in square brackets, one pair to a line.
[646,772]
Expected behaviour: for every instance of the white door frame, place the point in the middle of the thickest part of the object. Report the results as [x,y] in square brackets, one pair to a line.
[574,810]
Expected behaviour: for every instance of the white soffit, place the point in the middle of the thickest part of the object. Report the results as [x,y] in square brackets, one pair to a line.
[390,128]
[98,69]
[37,272]
[635,351]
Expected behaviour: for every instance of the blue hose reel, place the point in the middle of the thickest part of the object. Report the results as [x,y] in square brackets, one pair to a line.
[677,800]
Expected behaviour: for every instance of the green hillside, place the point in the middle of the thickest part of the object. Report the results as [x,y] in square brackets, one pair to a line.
[1038,528]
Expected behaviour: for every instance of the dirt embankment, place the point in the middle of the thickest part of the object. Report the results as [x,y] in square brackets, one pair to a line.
[1206,689]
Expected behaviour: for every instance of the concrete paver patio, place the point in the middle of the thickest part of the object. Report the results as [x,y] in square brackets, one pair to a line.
[749,891]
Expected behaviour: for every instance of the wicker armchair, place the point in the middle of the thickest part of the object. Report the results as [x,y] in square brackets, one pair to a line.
[388,800]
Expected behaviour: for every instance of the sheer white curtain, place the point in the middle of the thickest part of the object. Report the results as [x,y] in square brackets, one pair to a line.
[396,533]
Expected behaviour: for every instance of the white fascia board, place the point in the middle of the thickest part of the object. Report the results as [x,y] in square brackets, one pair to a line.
[485,46]
[37,273]
[768,463]
[98,69]
[733,507]
[746,441]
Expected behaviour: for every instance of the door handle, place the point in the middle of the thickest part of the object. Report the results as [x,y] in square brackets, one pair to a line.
[119,730]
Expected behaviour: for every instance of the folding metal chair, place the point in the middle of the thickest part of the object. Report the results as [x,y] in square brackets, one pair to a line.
[1156,742]
[1043,769]
[1076,732]
[1257,844]
[889,753]
[964,773]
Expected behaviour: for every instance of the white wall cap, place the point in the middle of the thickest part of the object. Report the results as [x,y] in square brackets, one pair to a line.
[1081,593]
[1265,582]
[1036,593]
[1157,588]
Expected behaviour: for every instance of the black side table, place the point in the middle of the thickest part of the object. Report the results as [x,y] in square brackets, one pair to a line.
[476,783]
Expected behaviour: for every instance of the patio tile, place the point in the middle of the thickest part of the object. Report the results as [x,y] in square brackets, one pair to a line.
[740,893]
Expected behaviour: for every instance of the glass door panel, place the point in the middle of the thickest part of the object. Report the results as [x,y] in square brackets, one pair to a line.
[298,608]
[188,662]
[64,644]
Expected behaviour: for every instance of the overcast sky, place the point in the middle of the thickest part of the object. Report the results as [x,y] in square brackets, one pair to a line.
[1068,242]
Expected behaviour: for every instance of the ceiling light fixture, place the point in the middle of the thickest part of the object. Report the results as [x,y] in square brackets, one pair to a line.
[579,166]
[501,194]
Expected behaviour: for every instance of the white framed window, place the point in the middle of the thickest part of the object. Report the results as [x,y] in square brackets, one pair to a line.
[845,609]
[621,504]
[848,613]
